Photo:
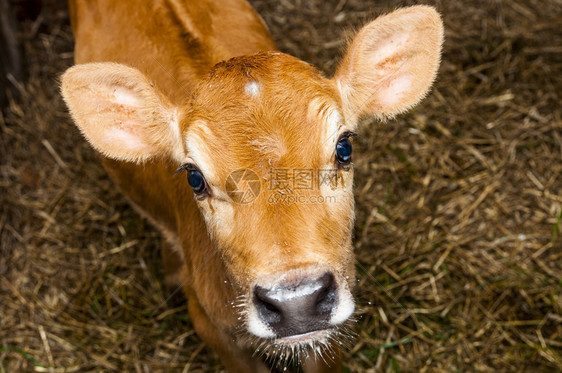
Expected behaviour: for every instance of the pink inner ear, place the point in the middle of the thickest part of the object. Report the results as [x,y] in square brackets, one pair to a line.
[123,135]
[126,130]
[394,90]
[388,51]
[126,97]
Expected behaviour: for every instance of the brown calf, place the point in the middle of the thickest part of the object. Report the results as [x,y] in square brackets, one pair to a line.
[259,235]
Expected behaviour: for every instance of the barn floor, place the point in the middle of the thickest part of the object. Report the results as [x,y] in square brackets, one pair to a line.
[459,209]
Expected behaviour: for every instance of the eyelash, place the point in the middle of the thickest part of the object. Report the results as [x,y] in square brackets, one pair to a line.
[349,134]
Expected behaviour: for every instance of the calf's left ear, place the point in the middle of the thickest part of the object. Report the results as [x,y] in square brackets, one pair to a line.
[391,63]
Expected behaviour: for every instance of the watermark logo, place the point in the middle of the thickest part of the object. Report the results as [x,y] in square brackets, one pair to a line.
[295,179]
[243,186]
[284,185]
[291,199]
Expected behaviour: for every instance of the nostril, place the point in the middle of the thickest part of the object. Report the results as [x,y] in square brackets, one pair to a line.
[268,311]
[326,296]
[270,307]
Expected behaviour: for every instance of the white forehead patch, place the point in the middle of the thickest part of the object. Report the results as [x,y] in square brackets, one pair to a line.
[252,88]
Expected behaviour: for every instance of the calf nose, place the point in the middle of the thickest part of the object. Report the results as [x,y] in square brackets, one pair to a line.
[297,308]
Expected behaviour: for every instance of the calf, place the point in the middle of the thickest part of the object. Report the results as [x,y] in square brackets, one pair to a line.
[241,156]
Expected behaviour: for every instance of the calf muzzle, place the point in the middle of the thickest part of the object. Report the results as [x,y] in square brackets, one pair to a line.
[297,307]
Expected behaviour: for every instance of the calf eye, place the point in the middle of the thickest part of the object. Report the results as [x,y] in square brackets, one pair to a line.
[195,179]
[343,151]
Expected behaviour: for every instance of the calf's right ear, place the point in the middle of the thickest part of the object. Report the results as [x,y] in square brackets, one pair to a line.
[120,112]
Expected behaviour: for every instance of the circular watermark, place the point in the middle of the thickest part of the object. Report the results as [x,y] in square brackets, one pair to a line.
[243,186]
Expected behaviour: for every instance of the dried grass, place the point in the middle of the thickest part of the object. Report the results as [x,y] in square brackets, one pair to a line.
[459,205]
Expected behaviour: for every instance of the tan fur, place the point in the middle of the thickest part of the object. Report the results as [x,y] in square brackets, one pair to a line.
[163,83]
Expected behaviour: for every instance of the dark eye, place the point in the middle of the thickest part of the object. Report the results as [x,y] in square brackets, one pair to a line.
[195,178]
[196,181]
[343,151]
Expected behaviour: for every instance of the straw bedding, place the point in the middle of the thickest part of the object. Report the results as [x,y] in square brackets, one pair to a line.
[459,208]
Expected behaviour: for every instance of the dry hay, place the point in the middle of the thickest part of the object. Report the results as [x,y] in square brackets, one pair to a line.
[459,206]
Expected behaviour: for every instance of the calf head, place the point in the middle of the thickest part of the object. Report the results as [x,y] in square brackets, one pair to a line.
[265,141]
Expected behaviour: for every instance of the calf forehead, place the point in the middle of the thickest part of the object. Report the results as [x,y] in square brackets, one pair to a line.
[266,110]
